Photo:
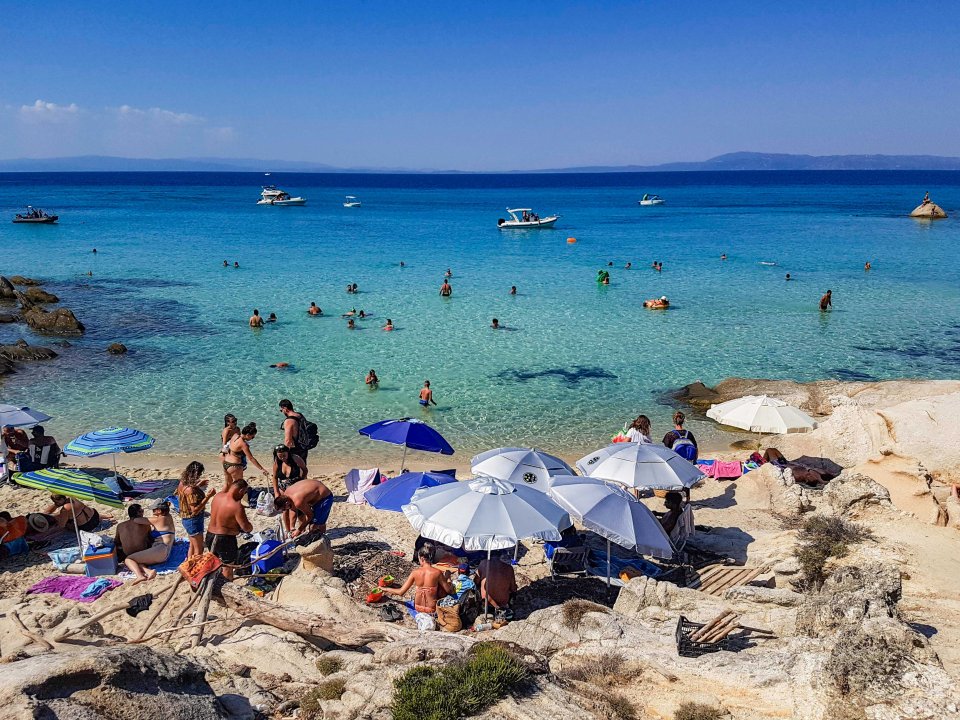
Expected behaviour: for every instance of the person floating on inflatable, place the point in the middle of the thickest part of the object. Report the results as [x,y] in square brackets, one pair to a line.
[603,277]
[660,303]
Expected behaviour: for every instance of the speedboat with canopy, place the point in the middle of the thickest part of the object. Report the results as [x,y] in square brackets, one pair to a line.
[648,199]
[272,195]
[526,219]
[351,201]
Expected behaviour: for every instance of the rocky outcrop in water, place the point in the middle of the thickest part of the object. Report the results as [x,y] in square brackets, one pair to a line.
[9,318]
[36,295]
[7,290]
[135,683]
[21,351]
[929,210]
[60,321]
[117,348]
[24,281]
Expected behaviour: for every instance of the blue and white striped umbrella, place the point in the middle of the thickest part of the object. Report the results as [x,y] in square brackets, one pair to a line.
[108,441]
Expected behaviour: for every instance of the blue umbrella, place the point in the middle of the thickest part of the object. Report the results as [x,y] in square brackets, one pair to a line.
[397,492]
[414,434]
[109,441]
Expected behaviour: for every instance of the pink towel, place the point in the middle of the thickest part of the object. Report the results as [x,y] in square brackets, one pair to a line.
[71,587]
[727,469]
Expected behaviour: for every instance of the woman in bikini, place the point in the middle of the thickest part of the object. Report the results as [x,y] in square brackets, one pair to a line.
[162,534]
[237,453]
[87,518]
[288,468]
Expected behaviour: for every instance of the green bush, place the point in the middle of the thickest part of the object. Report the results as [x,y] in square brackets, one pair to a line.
[821,538]
[697,711]
[327,690]
[459,689]
[329,665]
[620,706]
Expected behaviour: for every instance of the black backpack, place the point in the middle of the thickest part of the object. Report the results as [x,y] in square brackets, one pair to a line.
[308,434]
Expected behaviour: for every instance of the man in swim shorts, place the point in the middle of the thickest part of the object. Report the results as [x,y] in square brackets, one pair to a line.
[306,507]
[446,290]
[426,394]
[255,320]
[227,520]
[826,301]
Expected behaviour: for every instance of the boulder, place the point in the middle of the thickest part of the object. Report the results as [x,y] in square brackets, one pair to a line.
[36,295]
[6,318]
[23,281]
[852,493]
[117,348]
[6,367]
[135,683]
[770,489]
[21,351]
[61,321]
[7,290]
[317,556]
[850,596]
[928,210]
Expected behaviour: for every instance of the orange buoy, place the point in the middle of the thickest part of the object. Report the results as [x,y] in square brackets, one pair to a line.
[571,240]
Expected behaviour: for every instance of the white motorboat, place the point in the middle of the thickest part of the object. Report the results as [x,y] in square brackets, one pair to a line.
[272,195]
[351,201]
[651,200]
[526,219]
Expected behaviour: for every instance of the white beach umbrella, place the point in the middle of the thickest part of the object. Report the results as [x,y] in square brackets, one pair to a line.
[485,514]
[613,513]
[762,414]
[640,465]
[20,416]
[526,466]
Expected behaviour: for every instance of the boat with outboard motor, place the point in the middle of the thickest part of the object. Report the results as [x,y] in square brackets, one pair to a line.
[526,219]
[351,201]
[651,200]
[35,216]
[272,195]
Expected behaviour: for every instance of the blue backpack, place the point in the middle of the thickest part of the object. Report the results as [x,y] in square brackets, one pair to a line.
[684,447]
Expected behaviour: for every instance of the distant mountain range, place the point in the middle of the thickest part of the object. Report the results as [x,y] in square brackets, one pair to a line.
[739,161]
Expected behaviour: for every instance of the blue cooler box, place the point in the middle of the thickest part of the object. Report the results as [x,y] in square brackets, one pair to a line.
[100,561]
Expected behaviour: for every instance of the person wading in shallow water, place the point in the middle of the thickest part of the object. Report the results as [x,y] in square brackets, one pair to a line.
[426,395]
[826,301]
[446,290]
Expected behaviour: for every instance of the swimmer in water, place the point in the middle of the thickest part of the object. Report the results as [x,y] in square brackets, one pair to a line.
[426,395]
[513,289]
[659,267]
[350,289]
[723,257]
[788,276]
[272,318]
[255,320]
[446,290]
[495,324]
[448,273]
[350,313]
[236,265]
[362,314]
[610,264]
[314,310]
[351,325]
[354,289]
[402,264]
[226,264]
[372,380]
[826,301]
[605,280]
[660,303]
[389,326]
[654,264]
[94,251]
[281,365]
[628,266]
[867,265]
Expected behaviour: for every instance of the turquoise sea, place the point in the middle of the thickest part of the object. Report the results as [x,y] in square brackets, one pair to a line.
[577,359]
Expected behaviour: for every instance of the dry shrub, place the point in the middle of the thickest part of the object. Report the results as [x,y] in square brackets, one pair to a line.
[621,707]
[698,711]
[574,610]
[862,660]
[605,669]
[329,665]
[821,538]
[327,690]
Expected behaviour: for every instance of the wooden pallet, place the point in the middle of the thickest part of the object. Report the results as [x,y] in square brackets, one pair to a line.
[715,580]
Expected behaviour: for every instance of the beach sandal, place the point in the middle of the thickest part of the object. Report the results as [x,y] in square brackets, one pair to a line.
[390,613]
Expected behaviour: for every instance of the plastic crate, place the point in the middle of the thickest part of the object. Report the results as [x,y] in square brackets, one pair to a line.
[691,648]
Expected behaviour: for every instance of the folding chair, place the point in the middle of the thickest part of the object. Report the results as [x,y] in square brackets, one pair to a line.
[568,561]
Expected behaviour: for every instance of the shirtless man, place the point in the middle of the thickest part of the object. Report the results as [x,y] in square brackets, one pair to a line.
[426,395]
[826,301]
[314,310]
[132,535]
[431,584]
[306,506]
[255,320]
[227,520]
[497,582]
[446,290]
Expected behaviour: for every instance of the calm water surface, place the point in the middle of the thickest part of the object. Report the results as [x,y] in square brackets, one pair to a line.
[577,358]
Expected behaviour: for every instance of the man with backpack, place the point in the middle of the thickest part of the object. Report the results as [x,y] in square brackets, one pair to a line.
[681,441]
[299,434]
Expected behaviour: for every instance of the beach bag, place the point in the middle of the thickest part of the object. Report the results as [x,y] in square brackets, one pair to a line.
[448,618]
[265,504]
[684,447]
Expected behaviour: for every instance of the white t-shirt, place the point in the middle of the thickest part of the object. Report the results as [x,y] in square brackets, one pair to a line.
[638,437]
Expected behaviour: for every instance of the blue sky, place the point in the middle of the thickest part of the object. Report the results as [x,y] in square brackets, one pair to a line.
[481,86]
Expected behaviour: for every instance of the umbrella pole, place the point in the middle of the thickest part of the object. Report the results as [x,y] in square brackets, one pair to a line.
[73,509]
[516,549]
[486,601]
[608,567]
[403,460]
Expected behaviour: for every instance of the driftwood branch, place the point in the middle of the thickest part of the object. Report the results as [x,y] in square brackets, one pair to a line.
[298,621]
[64,633]
[163,605]
[200,616]
[38,639]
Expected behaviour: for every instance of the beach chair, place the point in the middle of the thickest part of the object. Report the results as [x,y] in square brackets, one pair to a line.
[568,561]
[358,482]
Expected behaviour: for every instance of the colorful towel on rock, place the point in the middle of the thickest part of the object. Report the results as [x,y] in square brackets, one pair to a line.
[75,587]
